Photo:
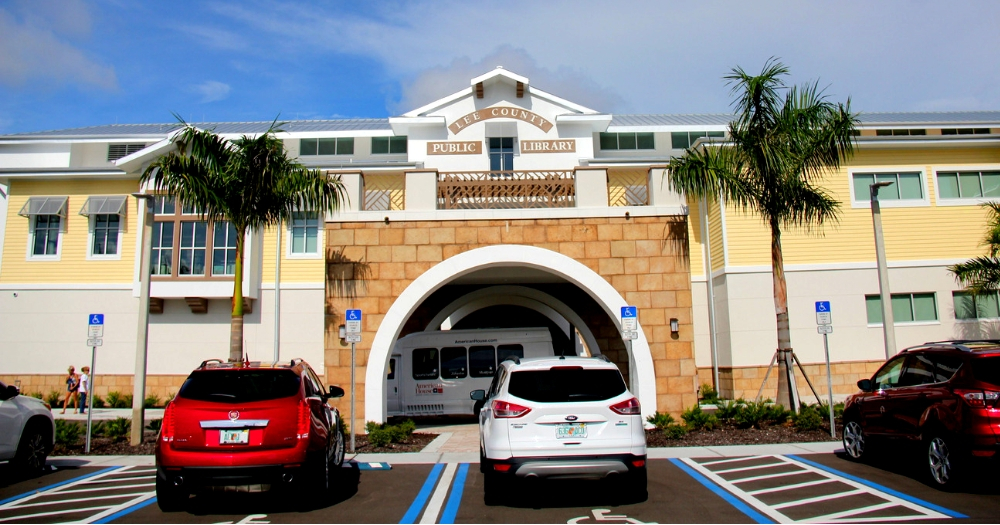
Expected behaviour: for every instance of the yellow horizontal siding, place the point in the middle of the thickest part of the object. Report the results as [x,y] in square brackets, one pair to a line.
[73,266]
[292,270]
[696,246]
[911,233]
[716,238]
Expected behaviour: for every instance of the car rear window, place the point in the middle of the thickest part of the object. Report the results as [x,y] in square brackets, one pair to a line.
[561,385]
[240,386]
[987,370]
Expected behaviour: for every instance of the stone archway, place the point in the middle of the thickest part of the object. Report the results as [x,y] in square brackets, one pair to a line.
[609,299]
[542,302]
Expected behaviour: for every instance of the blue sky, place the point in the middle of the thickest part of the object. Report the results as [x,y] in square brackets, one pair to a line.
[73,63]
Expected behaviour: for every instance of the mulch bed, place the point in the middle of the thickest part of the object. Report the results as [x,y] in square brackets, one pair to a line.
[416,443]
[728,434]
[105,447]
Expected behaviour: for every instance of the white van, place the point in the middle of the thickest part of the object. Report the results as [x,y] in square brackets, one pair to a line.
[432,373]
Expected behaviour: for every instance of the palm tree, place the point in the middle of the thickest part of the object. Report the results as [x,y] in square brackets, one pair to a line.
[982,274]
[779,146]
[249,182]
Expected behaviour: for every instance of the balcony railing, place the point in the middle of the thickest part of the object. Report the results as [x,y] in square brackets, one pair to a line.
[505,190]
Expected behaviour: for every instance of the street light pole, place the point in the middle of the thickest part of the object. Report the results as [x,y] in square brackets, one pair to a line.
[888,325]
[142,337]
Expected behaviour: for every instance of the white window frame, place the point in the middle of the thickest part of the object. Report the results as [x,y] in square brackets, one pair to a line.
[900,203]
[977,319]
[319,240]
[92,234]
[975,201]
[937,309]
[30,253]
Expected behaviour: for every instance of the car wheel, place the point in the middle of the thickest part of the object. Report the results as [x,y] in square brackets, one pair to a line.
[338,448]
[32,449]
[943,461]
[168,497]
[855,440]
[494,486]
[634,488]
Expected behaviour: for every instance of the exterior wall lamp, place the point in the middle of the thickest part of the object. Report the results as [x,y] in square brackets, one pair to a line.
[674,325]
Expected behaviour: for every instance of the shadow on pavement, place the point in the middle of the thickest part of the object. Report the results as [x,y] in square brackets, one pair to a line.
[908,459]
[549,494]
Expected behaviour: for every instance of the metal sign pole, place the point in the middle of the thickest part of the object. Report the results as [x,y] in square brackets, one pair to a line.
[352,399]
[829,384]
[90,394]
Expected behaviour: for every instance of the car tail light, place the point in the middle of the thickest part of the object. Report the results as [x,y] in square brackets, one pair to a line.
[979,398]
[501,467]
[638,463]
[503,409]
[304,412]
[629,407]
[168,428]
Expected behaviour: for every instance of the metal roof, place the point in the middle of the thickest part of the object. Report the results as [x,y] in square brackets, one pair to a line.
[158,131]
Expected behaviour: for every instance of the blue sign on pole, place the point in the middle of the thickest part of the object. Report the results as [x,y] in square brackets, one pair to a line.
[354,315]
[629,312]
[95,319]
[822,306]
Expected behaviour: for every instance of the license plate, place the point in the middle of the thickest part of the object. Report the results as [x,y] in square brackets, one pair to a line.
[234,437]
[571,430]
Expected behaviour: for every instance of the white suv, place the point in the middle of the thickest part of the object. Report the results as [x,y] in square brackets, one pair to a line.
[560,417]
[27,430]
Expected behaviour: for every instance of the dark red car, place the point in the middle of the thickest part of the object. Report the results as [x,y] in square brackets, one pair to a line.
[248,427]
[942,395]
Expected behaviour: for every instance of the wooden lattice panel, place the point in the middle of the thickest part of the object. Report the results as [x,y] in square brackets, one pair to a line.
[506,190]
[384,191]
[628,187]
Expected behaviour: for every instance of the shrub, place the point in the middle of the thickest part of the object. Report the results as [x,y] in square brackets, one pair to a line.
[114,398]
[660,420]
[97,428]
[726,410]
[152,400]
[37,395]
[371,425]
[97,402]
[54,398]
[118,429]
[708,394]
[696,419]
[154,425]
[68,433]
[757,414]
[674,431]
[407,427]
[824,410]
[379,437]
[808,418]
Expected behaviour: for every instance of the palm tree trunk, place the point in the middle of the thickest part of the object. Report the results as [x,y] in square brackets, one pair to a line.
[236,326]
[786,396]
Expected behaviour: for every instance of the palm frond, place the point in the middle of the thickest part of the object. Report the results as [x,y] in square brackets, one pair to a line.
[979,274]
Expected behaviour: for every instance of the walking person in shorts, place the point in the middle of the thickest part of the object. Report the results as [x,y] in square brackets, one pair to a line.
[72,385]
[84,388]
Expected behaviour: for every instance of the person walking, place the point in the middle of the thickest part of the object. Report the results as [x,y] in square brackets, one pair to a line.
[84,388]
[72,385]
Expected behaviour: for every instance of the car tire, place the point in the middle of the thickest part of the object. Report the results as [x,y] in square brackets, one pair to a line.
[494,487]
[635,486]
[339,448]
[856,442]
[168,497]
[944,463]
[33,448]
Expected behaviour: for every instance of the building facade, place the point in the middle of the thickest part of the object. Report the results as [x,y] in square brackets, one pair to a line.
[501,205]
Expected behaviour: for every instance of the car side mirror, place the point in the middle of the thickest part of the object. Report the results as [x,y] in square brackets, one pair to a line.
[477,395]
[335,391]
[865,385]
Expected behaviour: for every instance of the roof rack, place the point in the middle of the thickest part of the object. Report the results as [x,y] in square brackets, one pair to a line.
[207,361]
[966,345]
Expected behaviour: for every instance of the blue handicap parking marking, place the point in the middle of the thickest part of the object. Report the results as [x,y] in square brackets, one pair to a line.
[365,465]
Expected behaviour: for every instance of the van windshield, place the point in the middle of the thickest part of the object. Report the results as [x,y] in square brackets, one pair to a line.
[566,385]
[239,386]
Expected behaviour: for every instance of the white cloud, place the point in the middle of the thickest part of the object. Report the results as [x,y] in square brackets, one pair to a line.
[33,47]
[212,91]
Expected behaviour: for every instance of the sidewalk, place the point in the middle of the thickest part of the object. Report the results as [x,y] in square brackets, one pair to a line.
[106,413]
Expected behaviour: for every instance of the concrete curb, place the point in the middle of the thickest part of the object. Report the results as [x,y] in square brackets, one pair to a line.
[425,457]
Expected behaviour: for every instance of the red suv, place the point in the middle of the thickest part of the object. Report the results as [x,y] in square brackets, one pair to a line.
[942,395]
[248,426]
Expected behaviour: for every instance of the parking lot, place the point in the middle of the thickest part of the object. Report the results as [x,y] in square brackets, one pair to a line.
[762,488]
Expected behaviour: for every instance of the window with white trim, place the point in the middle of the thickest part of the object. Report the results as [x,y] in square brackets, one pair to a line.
[388,145]
[968,185]
[304,233]
[982,306]
[626,141]
[327,146]
[185,245]
[907,187]
[906,308]
[105,213]
[224,249]
[46,215]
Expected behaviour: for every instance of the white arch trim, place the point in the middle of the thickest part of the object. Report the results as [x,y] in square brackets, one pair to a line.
[643,377]
[519,296]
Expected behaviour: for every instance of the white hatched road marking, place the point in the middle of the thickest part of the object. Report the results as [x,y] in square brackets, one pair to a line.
[437,499]
[106,481]
[774,510]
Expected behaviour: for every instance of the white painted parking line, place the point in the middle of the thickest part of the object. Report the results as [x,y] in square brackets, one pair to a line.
[437,499]
[816,506]
[69,497]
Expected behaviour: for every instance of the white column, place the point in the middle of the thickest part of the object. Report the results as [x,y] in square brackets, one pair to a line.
[421,190]
[591,188]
